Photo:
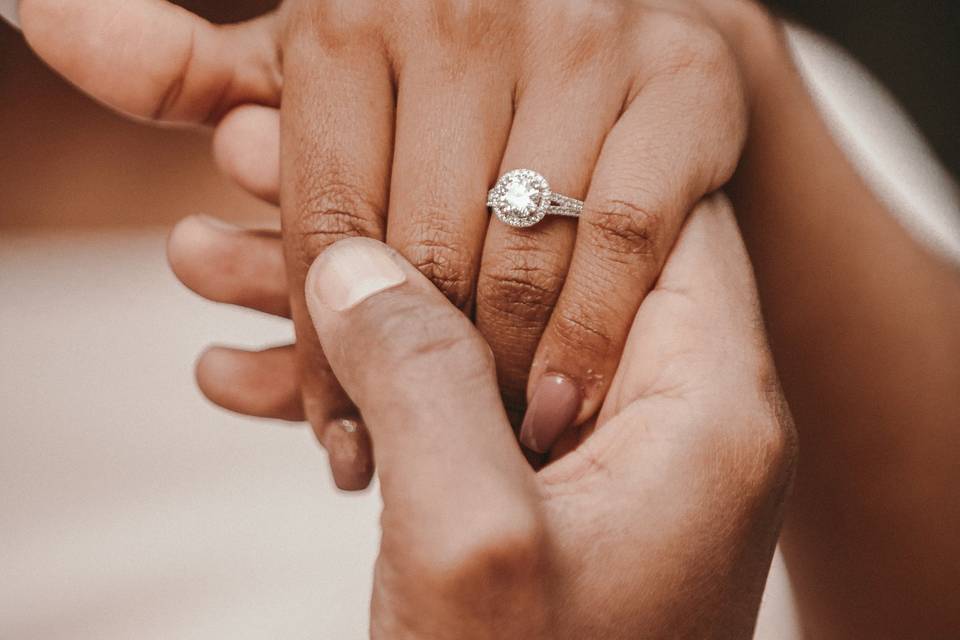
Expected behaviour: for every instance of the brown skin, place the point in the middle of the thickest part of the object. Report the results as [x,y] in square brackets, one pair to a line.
[588,547]
[864,325]
[865,328]
[397,118]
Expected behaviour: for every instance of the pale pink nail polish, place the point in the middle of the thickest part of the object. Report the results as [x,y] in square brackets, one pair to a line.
[552,410]
[352,271]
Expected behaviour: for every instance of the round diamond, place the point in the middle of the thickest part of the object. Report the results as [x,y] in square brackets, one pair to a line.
[521,198]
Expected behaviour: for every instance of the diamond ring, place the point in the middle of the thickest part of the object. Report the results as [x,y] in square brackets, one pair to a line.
[522,198]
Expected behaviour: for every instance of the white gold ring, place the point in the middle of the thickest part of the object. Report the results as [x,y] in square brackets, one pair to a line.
[522,198]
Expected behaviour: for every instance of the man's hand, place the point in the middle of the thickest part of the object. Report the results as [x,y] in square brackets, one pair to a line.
[661,523]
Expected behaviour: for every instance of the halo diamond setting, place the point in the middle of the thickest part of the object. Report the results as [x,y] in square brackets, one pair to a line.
[522,198]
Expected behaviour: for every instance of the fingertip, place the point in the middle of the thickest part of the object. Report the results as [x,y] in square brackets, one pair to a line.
[261,384]
[554,406]
[246,147]
[192,242]
[351,461]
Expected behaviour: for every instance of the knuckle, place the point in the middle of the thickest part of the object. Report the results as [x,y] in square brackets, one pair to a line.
[333,24]
[762,452]
[777,441]
[587,29]
[772,449]
[695,46]
[521,286]
[576,328]
[444,267]
[442,255]
[469,22]
[623,228]
[332,211]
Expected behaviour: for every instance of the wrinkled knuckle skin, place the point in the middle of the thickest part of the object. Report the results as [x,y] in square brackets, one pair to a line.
[444,267]
[575,328]
[442,254]
[694,45]
[468,25]
[590,31]
[623,229]
[524,289]
[333,25]
[334,211]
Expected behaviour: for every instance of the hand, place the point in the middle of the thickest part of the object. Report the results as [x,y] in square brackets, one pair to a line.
[407,113]
[661,524]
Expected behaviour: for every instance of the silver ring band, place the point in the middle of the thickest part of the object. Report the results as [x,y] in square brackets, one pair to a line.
[522,198]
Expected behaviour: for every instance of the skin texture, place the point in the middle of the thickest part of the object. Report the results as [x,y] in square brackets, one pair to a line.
[397,118]
[863,321]
[487,548]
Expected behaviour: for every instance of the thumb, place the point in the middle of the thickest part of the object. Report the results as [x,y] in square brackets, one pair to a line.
[422,378]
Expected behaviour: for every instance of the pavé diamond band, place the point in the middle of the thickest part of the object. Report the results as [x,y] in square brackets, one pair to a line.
[522,198]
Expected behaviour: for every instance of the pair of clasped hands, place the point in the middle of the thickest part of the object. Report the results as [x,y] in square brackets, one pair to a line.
[627,347]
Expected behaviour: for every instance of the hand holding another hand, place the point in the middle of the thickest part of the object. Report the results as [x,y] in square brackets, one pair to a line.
[662,523]
[396,120]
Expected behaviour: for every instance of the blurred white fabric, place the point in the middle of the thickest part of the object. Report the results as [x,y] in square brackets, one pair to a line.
[8,10]
[131,508]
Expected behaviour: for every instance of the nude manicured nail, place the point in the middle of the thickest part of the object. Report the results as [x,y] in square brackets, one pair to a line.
[351,271]
[350,460]
[555,405]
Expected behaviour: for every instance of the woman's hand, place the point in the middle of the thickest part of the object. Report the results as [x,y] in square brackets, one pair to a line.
[398,117]
[661,524]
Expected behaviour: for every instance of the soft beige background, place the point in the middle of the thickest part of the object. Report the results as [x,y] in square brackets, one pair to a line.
[129,507]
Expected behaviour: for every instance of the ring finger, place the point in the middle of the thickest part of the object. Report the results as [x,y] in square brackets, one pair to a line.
[558,130]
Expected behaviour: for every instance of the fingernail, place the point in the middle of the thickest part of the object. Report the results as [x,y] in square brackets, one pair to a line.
[9,10]
[347,444]
[216,223]
[552,410]
[351,271]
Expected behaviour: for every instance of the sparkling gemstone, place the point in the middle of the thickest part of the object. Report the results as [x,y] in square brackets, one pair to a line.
[520,196]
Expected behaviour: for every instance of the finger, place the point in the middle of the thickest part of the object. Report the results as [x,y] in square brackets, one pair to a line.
[678,140]
[336,137]
[523,270]
[451,131]
[153,59]
[228,264]
[262,384]
[425,384]
[265,384]
[246,146]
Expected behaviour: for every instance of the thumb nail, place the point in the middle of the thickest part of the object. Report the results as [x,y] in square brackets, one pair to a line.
[555,404]
[351,271]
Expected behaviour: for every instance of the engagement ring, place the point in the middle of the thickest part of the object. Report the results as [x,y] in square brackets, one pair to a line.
[522,198]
